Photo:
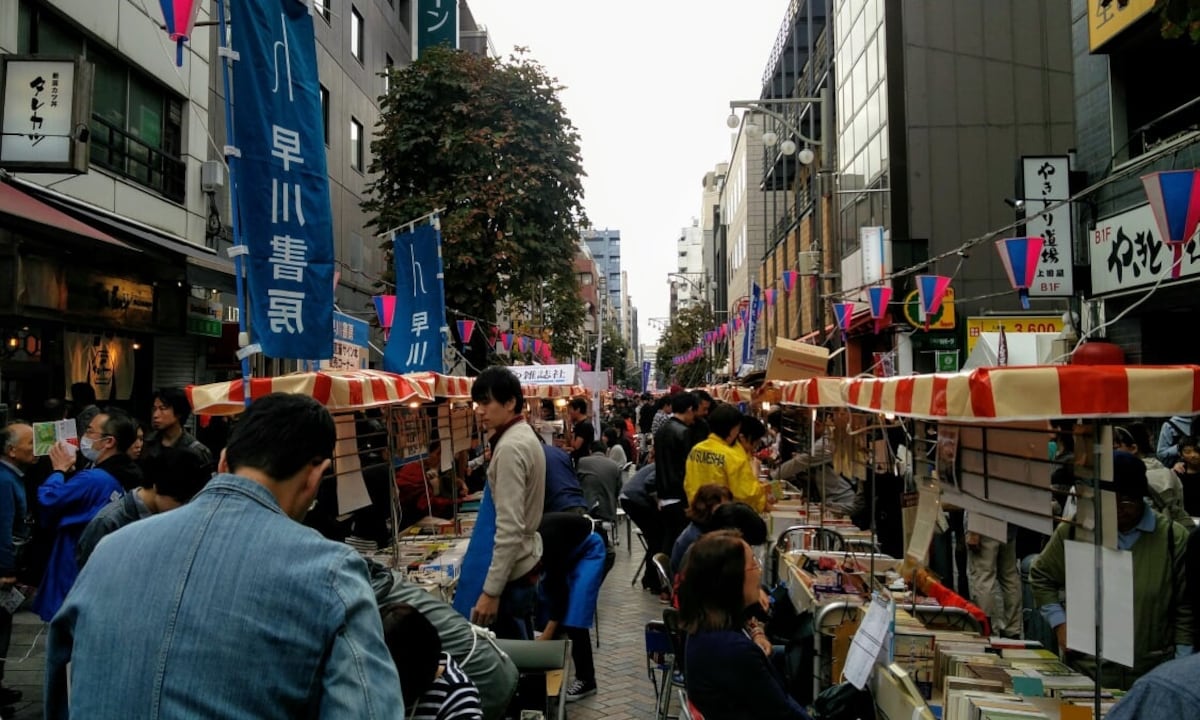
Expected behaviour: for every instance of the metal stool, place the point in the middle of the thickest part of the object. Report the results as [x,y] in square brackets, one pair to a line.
[641,565]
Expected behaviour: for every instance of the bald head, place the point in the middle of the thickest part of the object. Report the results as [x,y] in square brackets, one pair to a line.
[17,445]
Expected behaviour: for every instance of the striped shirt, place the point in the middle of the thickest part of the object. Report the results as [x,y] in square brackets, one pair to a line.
[452,696]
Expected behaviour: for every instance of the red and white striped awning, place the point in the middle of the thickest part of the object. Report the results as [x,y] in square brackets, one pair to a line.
[338,390]
[1034,393]
[815,392]
[454,387]
[554,392]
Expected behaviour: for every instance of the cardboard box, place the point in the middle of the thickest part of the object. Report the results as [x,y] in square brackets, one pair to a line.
[794,360]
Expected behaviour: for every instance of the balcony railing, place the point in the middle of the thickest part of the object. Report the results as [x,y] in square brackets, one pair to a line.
[119,152]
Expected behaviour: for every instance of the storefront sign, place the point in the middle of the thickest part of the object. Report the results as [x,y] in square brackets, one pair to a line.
[204,317]
[976,326]
[1108,18]
[127,303]
[876,254]
[46,103]
[1047,182]
[947,360]
[436,22]
[350,343]
[419,331]
[545,374]
[943,319]
[283,183]
[1127,253]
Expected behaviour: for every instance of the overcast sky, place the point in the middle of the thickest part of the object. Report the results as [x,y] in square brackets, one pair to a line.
[648,84]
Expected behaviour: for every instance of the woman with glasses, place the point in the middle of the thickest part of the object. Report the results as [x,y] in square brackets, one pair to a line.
[728,671]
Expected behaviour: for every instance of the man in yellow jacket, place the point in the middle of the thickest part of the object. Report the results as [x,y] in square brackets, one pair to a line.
[718,461]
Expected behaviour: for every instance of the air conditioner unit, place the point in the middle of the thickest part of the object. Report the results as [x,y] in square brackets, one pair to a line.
[808,263]
[212,176]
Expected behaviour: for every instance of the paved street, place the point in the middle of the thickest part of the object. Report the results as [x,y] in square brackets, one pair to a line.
[624,691]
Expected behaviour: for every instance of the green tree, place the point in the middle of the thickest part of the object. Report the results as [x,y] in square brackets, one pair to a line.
[1179,18]
[685,332]
[490,142]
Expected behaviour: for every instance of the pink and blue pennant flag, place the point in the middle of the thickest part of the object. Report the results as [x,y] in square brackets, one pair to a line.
[1020,256]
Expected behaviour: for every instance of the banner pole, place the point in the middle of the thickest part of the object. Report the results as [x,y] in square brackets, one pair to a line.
[239,249]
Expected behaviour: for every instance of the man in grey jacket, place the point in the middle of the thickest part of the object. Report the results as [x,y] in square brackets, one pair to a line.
[517,480]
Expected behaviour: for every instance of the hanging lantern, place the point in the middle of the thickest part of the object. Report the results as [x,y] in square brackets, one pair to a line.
[880,296]
[769,293]
[931,289]
[507,340]
[1174,197]
[179,18]
[385,309]
[1020,256]
[844,313]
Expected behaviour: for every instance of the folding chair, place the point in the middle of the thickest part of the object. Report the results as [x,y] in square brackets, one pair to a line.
[662,564]
[806,537]
[546,657]
[641,564]
[660,667]
[678,640]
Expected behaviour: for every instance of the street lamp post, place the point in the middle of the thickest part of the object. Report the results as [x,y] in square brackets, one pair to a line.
[804,155]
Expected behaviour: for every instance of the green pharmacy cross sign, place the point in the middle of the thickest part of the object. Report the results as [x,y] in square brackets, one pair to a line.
[436,24]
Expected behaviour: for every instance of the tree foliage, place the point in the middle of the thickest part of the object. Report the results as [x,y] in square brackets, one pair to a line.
[490,142]
[685,332]
[1179,18]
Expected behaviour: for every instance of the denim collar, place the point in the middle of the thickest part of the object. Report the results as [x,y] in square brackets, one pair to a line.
[229,483]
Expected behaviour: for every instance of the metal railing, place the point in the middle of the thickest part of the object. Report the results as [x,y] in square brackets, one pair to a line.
[117,151]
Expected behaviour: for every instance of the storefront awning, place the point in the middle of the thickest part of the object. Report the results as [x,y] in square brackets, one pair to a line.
[857,320]
[24,209]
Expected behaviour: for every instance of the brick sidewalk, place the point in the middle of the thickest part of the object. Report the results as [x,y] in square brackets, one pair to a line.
[624,691]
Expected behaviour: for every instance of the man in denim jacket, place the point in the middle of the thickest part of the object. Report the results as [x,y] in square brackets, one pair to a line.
[228,607]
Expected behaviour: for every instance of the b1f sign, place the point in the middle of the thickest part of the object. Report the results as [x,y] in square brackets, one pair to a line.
[47,103]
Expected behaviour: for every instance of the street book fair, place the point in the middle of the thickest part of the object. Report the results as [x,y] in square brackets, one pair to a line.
[993,442]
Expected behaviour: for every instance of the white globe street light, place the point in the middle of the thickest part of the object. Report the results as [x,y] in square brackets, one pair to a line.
[769,139]
[806,156]
[787,147]
[733,121]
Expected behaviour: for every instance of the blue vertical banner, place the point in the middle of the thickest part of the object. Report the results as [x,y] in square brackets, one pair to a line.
[282,184]
[419,329]
[645,375]
[751,325]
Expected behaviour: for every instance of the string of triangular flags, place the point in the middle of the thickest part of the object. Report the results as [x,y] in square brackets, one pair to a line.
[385,309]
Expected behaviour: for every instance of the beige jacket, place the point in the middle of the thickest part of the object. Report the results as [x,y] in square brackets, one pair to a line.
[517,477]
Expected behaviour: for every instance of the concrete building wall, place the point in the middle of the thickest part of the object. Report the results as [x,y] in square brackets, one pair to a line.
[605,246]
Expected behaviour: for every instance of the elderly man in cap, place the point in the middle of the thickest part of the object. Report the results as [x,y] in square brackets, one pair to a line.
[1162,607]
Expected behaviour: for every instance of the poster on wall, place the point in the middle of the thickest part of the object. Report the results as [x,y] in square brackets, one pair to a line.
[105,363]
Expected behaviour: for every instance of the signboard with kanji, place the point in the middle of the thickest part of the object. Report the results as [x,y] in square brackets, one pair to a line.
[46,101]
[1047,182]
[1127,252]
[545,374]
[976,326]
[350,348]
[1108,18]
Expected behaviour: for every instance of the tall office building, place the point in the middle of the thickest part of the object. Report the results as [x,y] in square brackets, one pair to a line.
[605,246]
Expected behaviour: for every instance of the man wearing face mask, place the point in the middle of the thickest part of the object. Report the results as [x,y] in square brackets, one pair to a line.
[229,579]
[68,505]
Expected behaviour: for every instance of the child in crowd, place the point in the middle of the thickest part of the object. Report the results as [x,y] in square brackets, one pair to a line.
[434,687]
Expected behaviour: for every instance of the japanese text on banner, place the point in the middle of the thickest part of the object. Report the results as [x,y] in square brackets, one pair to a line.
[419,325]
[283,184]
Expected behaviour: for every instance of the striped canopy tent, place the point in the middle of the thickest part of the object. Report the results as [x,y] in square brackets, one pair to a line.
[553,392]
[1034,393]
[815,392]
[338,390]
[451,387]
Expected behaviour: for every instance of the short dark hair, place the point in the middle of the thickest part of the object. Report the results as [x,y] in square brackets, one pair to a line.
[579,405]
[707,499]
[176,399]
[1129,476]
[1191,441]
[415,647]
[280,434]
[743,518]
[598,446]
[612,434]
[710,591]
[682,402]
[120,426]
[703,396]
[500,384]
[753,428]
[83,394]
[661,402]
[1141,438]
[176,473]
[724,419]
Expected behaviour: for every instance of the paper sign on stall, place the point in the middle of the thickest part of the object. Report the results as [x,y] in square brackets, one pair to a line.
[869,642]
[351,488]
[1117,599]
[928,510]
[987,526]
